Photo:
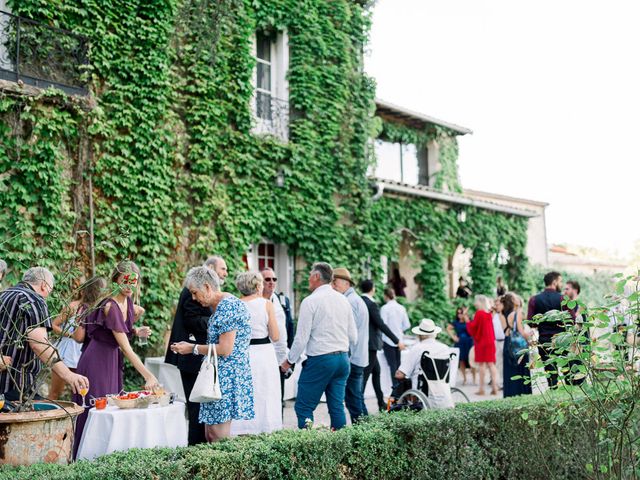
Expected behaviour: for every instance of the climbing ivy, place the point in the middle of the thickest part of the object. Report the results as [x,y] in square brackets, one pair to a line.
[178,173]
[438,231]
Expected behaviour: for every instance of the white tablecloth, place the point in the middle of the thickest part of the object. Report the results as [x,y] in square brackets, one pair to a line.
[168,376]
[114,429]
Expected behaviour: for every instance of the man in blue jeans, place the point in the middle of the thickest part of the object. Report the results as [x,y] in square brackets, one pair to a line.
[354,395]
[326,329]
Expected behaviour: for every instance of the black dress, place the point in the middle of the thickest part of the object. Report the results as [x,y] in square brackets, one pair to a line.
[511,368]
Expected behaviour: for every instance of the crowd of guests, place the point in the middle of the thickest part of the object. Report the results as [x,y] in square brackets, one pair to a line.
[338,336]
[495,338]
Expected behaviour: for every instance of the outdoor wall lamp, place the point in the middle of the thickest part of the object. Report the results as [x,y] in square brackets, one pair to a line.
[280,178]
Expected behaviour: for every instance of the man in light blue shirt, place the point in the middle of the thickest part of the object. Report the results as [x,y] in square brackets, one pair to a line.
[354,397]
[326,330]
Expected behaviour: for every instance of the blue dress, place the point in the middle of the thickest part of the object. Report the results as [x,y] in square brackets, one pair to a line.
[465,341]
[236,384]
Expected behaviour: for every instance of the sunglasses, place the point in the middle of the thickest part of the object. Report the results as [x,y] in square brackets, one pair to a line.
[272,279]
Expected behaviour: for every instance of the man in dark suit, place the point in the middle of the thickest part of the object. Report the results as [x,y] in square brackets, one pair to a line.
[549,299]
[190,324]
[376,328]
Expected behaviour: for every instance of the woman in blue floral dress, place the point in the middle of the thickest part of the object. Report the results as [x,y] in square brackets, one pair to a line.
[230,330]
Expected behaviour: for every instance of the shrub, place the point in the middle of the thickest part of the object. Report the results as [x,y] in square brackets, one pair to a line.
[511,438]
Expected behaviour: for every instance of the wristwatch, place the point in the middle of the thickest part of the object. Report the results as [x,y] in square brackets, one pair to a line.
[195,349]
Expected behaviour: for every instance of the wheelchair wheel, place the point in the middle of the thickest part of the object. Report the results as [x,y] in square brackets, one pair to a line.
[459,396]
[414,400]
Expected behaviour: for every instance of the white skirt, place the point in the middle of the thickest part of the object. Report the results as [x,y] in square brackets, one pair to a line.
[265,373]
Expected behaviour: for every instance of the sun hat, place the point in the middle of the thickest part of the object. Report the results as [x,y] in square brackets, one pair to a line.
[343,274]
[426,327]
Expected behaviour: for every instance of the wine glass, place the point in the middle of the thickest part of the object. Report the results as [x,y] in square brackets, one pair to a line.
[83,392]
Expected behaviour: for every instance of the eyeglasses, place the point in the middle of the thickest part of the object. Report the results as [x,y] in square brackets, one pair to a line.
[273,279]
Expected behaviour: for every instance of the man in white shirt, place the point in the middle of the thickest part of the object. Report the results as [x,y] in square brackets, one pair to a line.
[269,293]
[354,396]
[396,318]
[326,329]
[410,366]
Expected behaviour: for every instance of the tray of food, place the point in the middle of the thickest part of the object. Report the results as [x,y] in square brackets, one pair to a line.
[141,399]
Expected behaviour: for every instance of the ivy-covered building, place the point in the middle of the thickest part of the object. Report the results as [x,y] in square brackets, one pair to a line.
[416,158]
[168,130]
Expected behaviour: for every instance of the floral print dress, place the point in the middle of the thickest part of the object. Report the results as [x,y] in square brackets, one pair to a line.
[236,384]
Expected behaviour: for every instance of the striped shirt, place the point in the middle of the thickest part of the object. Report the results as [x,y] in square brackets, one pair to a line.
[21,310]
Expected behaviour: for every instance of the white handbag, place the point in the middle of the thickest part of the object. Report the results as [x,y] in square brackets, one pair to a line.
[207,386]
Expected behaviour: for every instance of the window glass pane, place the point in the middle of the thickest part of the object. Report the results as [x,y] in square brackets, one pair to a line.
[261,264]
[264,76]
[410,170]
[263,106]
[263,46]
[261,249]
[388,160]
[271,250]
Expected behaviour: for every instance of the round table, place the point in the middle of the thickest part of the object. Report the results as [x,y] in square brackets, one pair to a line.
[115,429]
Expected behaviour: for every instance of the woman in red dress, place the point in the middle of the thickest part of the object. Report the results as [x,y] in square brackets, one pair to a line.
[484,341]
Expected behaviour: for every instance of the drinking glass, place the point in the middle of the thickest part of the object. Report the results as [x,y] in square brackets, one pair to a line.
[1,402]
[143,336]
[83,392]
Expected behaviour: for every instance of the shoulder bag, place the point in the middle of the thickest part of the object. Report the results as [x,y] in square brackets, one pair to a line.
[207,385]
[517,342]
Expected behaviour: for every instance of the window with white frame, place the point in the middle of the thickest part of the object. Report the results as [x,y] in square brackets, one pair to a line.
[270,101]
[398,162]
[265,90]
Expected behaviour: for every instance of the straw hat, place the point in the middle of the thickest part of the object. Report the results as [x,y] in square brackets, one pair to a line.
[426,327]
[343,274]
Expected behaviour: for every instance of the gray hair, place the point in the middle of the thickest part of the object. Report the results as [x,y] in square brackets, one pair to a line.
[248,282]
[37,275]
[3,267]
[324,270]
[198,277]
[212,261]
[484,301]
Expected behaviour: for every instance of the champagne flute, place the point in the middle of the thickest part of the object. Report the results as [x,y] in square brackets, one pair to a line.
[83,392]
[1,402]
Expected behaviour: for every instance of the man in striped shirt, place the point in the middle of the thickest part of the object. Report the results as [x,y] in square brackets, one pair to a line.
[24,326]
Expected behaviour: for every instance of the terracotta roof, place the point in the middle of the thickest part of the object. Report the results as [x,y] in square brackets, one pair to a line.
[561,249]
[415,119]
[449,197]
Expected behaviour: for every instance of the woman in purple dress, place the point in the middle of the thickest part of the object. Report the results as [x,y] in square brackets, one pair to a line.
[109,329]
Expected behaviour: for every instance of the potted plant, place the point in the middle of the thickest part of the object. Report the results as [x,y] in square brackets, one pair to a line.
[33,430]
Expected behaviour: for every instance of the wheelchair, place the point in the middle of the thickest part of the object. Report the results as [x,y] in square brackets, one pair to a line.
[404,397]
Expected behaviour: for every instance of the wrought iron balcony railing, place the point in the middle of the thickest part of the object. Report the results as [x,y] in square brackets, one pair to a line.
[41,55]
[272,116]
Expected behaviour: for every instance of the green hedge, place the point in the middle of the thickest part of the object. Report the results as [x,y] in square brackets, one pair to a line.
[477,441]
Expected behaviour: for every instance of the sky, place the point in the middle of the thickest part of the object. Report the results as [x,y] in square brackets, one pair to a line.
[551,90]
